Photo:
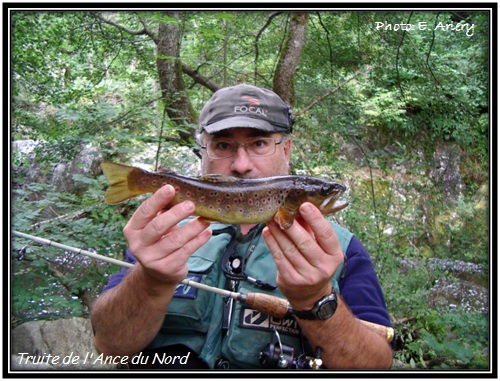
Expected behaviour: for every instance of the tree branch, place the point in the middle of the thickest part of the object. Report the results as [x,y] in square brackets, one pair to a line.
[141,32]
[257,37]
[198,78]
[321,98]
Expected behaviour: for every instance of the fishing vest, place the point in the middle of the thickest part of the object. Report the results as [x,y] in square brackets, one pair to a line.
[197,318]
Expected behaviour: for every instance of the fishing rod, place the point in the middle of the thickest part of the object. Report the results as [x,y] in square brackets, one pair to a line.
[267,304]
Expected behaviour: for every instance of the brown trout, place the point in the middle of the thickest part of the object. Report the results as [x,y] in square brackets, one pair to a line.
[229,199]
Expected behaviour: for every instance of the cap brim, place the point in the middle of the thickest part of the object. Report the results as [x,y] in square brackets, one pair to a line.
[242,122]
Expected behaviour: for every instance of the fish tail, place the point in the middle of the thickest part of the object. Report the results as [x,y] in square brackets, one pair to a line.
[118,176]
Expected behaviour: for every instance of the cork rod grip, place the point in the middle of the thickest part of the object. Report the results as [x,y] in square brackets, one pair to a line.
[268,304]
[277,307]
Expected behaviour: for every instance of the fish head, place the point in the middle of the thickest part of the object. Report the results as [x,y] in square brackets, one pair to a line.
[324,194]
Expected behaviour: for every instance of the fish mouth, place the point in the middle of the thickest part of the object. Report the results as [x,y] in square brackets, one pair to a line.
[332,205]
[328,203]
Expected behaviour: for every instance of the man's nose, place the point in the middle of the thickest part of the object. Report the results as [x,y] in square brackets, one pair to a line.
[241,161]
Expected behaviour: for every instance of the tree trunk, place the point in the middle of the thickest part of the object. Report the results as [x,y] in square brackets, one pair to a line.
[179,108]
[283,84]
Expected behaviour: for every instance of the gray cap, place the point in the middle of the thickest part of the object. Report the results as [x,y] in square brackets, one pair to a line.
[245,106]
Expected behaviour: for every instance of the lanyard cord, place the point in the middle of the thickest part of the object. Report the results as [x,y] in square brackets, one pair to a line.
[233,265]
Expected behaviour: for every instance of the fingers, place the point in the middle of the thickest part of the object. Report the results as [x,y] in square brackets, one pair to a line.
[150,222]
[284,250]
[185,240]
[159,243]
[309,249]
[323,232]
[151,207]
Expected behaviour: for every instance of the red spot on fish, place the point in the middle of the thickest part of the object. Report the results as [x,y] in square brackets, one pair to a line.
[228,207]
[228,195]
[241,210]
[236,201]
[153,182]
[202,199]
[219,201]
[210,207]
[188,194]
[250,201]
[177,189]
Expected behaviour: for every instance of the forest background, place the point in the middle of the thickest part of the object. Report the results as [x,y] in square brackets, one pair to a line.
[394,104]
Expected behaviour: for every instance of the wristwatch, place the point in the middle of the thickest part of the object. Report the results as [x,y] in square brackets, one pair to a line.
[322,310]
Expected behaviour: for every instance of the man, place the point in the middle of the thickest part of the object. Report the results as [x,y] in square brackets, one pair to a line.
[320,268]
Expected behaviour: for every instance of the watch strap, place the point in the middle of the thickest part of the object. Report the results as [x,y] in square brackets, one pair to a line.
[322,310]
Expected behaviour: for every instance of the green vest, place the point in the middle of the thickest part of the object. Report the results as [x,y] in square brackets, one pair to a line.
[194,317]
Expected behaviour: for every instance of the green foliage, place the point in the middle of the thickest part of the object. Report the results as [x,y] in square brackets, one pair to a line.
[61,283]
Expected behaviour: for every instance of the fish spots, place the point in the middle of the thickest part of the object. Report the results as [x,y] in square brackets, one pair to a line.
[202,199]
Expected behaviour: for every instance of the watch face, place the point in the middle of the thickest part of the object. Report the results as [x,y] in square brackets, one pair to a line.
[327,310]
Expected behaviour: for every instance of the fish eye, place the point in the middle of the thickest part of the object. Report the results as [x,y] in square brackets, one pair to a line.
[326,190]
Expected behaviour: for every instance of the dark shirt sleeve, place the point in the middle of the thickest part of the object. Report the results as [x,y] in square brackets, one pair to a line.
[117,278]
[360,287]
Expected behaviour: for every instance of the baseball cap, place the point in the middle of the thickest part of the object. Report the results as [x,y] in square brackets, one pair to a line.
[245,106]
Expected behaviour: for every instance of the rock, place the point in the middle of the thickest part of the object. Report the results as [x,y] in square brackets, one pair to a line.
[25,166]
[71,340]
[446,170]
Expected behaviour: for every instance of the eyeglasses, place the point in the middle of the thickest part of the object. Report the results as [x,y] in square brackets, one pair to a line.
[223,149]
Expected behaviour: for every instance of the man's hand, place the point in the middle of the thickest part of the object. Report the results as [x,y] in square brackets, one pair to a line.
[160,245]
[307,255]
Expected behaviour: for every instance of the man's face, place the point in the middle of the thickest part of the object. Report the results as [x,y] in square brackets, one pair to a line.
[243,165]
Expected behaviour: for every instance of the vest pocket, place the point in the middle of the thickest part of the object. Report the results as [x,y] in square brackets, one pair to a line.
[190,308]
[251,330]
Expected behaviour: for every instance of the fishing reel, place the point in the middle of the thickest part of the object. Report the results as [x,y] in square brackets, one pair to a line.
[277,355]
[280,356]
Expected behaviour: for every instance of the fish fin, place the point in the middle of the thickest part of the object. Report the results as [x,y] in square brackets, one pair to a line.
[118,178]
[215,178]
[285,218]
